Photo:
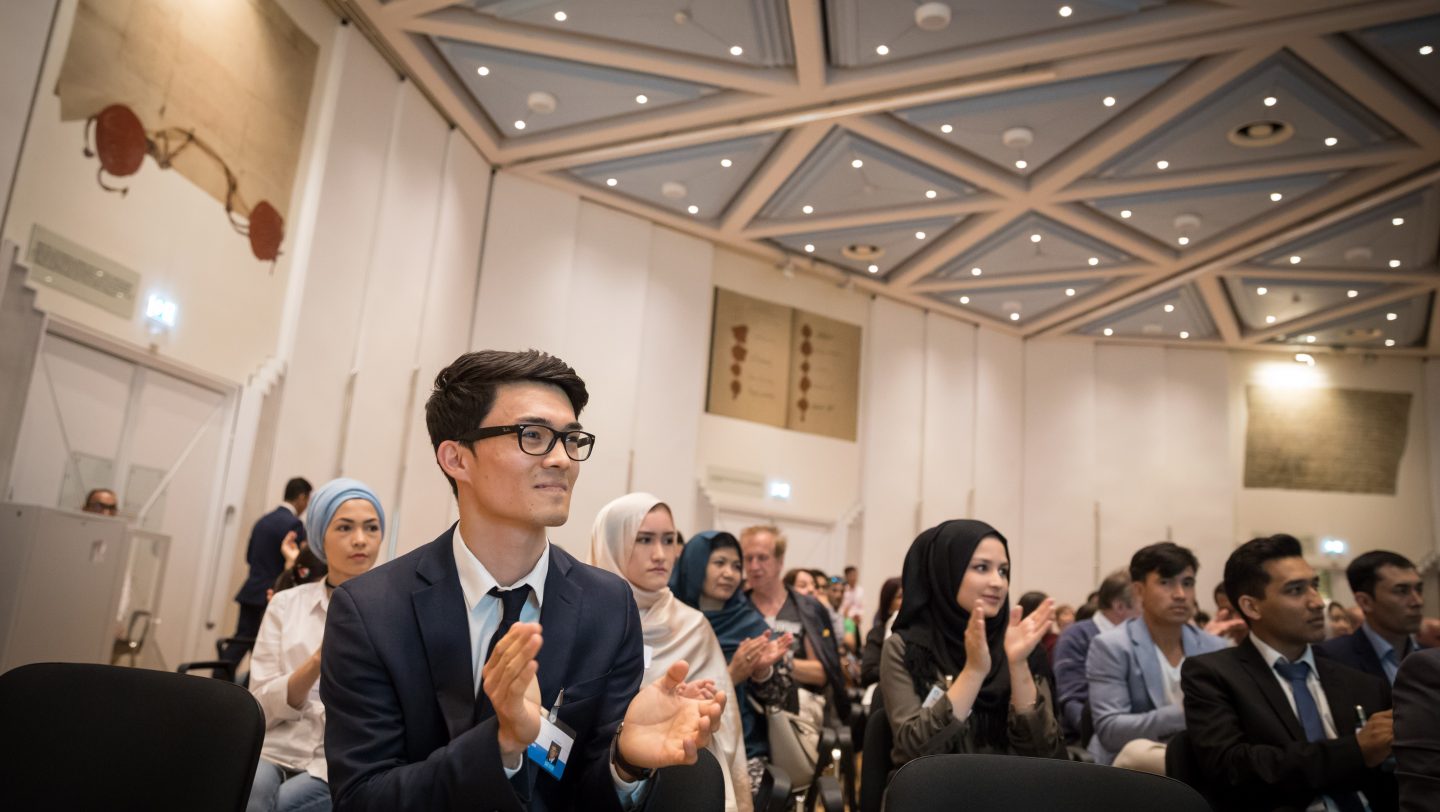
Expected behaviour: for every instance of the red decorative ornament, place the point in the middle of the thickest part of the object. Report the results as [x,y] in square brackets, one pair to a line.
[120,142]
[267,229]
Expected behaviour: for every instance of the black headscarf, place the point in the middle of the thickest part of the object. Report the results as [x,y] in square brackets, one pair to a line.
[933,624]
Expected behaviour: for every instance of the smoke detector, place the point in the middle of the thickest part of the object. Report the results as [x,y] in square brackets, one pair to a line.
[541,103]
[862,252]
[1017,137]
[674,190]
[1360,253]
[1261,134]
[1187,223]
[932,16]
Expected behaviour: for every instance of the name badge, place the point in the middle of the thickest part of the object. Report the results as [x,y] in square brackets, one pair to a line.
[783,626]
[649,655]
[932,697]
[551,749]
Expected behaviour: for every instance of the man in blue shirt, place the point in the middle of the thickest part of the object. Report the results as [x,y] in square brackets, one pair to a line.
[1388,590]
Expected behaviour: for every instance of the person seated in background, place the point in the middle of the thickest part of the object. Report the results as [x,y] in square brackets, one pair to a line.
[1117,601]
[1388,590]
[801,582]
[1269,724]
[708,578]
[102,501]
[1028,603]
[635,537]
[1417,731]
[1227,623]
[852,606]
[347,524]
[1134,670]
[956,674]
[891,595]
[1337,621]
[1064,617]
[816,651]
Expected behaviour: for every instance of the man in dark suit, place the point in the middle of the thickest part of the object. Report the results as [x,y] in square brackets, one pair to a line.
[266,563]
[1116,602]
[1272,726]
[434,673]
[1388,590]
[1417,732]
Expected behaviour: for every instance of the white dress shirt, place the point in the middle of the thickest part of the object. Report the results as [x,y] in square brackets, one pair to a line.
[1103,623]
[484,612]
[292,630]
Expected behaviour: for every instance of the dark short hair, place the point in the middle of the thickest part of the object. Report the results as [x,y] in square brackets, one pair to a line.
[296,488]
[90,497]
[1085,612]
[1031,601]
[465,391]
[1219,590]
[1167,558]
[820,577]
[1364,572]
[1245,568]
[792,574]
[851,569]
[1116,586]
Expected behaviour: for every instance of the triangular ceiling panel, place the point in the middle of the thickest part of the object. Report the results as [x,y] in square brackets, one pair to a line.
[1033,125]
[697,181]
[1173,315]
[1185,218]
[1280,109]
[514,89]
[875,32]
[746,33]
[1400,235]
[1031,244]
[1263,302]
[882,247]
[1412,50]
[1021,304]
[1398,325]
[846,174]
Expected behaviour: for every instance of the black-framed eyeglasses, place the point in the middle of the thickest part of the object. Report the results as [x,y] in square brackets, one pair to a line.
[537,440]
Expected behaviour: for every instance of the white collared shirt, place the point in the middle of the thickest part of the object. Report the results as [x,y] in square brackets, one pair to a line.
[288,506]
[293,628]
[1103,623]
[1389,658]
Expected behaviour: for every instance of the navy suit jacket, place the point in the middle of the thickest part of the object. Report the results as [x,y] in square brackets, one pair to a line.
[1417,731]
[401,726]
[1071,651]
[263,555]
[1355,650]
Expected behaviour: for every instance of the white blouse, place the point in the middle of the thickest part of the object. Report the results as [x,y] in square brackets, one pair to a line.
[292,630]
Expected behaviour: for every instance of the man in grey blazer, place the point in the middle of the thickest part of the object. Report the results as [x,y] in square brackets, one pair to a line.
[1134,670]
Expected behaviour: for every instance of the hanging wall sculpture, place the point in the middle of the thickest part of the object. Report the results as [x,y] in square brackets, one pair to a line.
[121,143]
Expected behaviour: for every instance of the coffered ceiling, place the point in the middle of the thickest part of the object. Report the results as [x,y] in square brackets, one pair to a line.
[1242,173]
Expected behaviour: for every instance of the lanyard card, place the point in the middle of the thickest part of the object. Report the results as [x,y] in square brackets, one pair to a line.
[551,749]
[932,697]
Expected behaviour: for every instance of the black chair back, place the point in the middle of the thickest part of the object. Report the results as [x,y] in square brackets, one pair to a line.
[699,787]
[875,765]
[773,794]
[984,783]
[81,736]
[1181,764]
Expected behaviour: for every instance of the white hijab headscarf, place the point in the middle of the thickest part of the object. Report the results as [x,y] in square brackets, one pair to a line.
[674,631]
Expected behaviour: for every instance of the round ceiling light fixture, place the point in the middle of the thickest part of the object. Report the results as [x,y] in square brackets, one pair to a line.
[541,103]
[1017,137]
[674,190]
[1360,253]
[1261,134]
[862,252]
[932,16]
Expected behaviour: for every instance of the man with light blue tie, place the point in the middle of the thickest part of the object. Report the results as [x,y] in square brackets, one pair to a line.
[1134,669]
[1388,589]
[1271,726]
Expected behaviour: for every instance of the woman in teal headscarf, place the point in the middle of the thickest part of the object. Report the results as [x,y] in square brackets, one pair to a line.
[708,577]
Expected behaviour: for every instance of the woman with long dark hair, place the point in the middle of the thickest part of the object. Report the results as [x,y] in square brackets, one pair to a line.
[890,594]
[956,673]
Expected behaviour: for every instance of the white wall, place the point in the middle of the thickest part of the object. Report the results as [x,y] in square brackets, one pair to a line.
[24,30]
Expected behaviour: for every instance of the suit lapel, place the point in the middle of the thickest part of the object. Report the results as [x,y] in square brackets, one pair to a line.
[1338,696]
[559,618]
[1269,685]
[440,613]
[1148,658]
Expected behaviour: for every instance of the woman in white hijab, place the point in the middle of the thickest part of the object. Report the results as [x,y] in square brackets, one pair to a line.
[635,538]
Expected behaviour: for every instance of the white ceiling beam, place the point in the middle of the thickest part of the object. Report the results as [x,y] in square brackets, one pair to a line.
[1341,311]
[398,11]
[1095,224]
[973,204]
[1357,74]
[807,30]
[1221,312]
[927,149]
[1024,279]
[467,26]
[1085,311]
[953,243]
[1360,277]
[782,161]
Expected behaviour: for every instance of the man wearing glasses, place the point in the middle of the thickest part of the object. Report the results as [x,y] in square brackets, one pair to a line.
[102,501]
[434,674]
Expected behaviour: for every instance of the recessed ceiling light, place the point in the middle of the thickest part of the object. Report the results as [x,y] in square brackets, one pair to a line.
[964,300]
[1169,308]
[947,128]
[1183,240]
[1093,261]
[560,17]
[1391,316]
[1332,141]
[736,50]
[1309,339]
[519,125]
[642,99]
[1162,164]
[1394,263]
[930,194]
[1352,293]
[882,49]
[611,181]
[725,162]
[1014,316]
[1066,11]
[919,235]
[857,163]
[483,71]
[1270,101]
[1020,164]
[1397,221]
[1269,319]
[1184,334]
[809,248]
[976,272]
[1261,291]
[1389,342]
[1426,50]
[1276,197]
[1034,238]
[1125,214]
[1108,101]
[1109,332]
[873,269]
[807,209]
[1294,260]
[1069,291]
[693,209]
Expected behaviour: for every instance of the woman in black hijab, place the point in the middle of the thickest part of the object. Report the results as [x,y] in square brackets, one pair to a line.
[955,674]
